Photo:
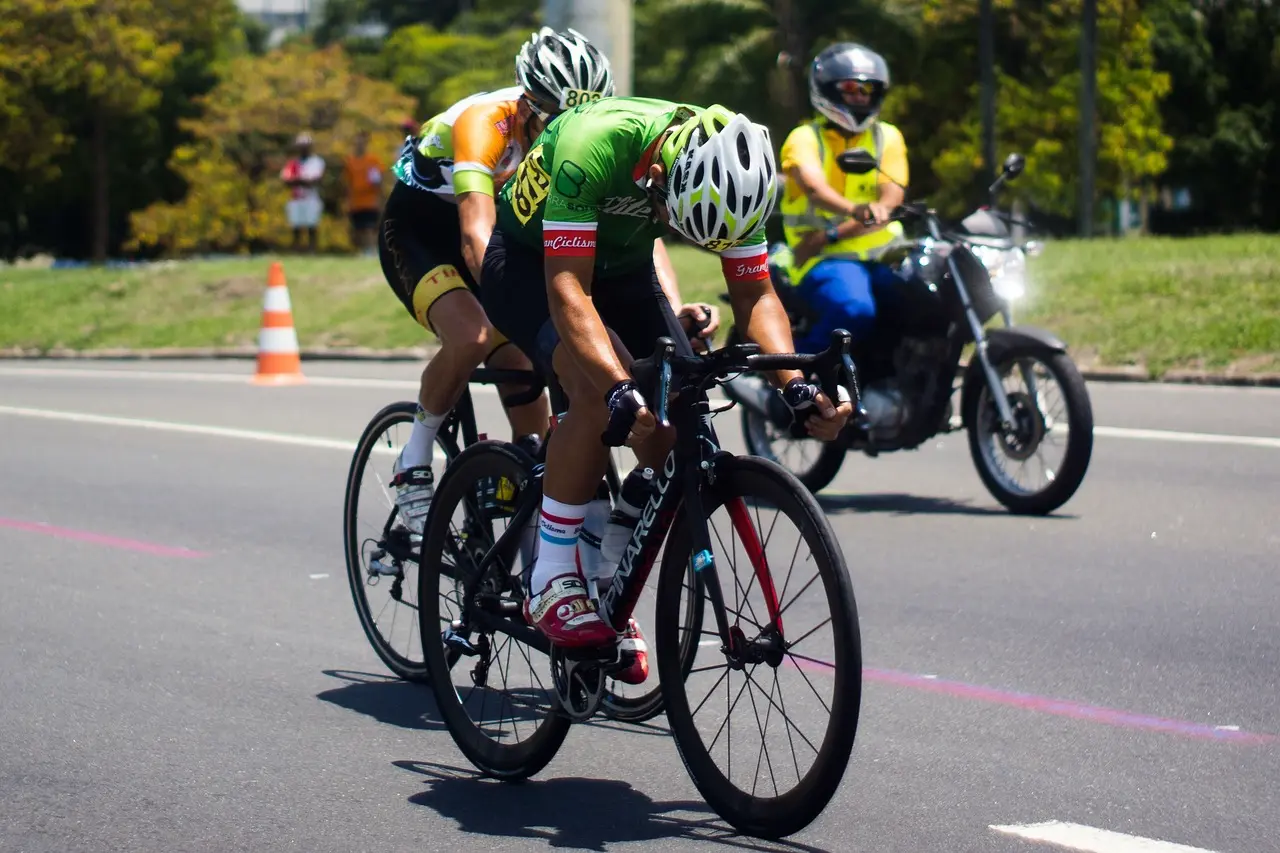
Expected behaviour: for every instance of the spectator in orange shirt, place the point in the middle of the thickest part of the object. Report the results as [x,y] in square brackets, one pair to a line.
[362,174]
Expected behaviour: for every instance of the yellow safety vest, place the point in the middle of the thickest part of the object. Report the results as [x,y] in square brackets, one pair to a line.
[800,216]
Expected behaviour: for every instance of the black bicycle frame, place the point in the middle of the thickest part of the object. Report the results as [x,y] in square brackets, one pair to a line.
[692,460]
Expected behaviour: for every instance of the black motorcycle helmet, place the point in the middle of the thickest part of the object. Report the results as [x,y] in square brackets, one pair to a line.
[842,67]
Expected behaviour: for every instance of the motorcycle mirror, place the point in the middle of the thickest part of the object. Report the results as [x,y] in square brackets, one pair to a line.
[1014,164]
[856,161]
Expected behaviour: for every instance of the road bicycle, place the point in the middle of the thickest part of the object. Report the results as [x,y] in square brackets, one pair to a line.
[382,554]
[470,584]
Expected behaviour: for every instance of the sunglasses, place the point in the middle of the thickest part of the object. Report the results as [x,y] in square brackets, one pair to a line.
[543,116]
[861,87]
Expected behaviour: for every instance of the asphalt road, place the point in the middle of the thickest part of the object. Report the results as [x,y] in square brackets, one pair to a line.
[181,667]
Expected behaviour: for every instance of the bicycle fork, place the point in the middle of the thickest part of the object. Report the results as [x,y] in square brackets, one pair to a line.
[768,646]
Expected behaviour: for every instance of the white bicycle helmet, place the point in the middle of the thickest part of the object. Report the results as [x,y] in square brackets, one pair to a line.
[721,177]
[561,70]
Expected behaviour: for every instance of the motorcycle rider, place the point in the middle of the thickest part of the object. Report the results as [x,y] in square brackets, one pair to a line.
[834,253]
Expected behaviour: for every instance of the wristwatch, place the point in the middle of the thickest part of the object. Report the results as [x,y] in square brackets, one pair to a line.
[832,234]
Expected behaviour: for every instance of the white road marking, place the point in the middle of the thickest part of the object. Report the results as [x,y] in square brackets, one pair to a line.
[1187,437]
[201,429]
[1269,442]
[317,577]
[1075,836]
[221,378]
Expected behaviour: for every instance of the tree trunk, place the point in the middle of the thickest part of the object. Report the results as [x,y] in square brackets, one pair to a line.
[795,46]
[100,207]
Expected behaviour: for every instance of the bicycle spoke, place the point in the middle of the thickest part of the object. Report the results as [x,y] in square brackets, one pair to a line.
[764,748]
[793,725]
[695,711]
[809,633]
[800,670]
[708,668]
[782,596]
[729,713]
[808,584]
[795,760]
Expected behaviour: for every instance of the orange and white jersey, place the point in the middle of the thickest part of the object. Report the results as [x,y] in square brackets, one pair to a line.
[474,146]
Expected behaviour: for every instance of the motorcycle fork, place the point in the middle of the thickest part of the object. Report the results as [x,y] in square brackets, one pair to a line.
[980,348]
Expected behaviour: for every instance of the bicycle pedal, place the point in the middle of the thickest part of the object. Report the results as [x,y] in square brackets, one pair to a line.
[377,567]
[458,643]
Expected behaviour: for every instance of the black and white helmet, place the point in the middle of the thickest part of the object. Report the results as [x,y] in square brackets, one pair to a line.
[561,70]
[843,62]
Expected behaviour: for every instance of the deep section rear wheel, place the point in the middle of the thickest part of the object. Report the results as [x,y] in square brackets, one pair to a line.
[381,553]
[508,732]
[766,725]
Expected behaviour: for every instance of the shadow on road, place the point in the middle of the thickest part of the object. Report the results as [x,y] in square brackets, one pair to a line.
[571,812]
[387,699]
[401,703]
[897,503]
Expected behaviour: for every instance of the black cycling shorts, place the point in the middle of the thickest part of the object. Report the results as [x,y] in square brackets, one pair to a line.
[514,296]
[420,247]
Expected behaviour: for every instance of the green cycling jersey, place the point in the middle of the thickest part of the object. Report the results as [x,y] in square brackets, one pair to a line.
[581,189]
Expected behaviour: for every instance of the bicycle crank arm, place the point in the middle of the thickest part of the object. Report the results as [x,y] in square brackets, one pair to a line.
[491,623]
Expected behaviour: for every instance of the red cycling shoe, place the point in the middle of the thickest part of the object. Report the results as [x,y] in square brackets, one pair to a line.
[633,641]
[567,616]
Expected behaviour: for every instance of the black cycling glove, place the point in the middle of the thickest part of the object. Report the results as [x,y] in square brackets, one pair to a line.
[799,395]
[624,401]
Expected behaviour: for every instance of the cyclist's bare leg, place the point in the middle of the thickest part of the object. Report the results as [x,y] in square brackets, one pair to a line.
[531,419]
[465,339]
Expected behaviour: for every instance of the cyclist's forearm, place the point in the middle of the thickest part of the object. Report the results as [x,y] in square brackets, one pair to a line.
[476,216]
[582,331]
[757,309]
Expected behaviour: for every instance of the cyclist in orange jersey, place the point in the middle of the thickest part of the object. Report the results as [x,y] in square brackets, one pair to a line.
[436,226]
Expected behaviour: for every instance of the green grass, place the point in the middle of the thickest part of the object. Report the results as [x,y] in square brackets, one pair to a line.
[1159,303]
[1162,303]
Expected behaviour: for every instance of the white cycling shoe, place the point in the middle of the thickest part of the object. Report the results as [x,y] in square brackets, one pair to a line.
[415,487]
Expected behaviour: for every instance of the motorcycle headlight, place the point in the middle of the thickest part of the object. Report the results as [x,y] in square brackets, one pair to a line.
[1007,269]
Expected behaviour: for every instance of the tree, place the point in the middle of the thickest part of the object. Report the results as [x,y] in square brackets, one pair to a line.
[1223,59]
[1037,104]
[440,68]
[729,51]
[94,85]
[241,139]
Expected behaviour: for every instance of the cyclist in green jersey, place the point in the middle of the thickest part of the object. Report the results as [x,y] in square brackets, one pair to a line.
[568,276]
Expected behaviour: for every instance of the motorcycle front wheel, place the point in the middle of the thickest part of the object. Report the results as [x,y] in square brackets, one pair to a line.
[1037,466]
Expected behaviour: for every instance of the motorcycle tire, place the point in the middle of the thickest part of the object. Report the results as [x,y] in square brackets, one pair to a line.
[1075,461]
[816,476]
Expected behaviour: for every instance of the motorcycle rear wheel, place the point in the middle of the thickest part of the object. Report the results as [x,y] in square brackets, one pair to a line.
[765,440]
[988,445]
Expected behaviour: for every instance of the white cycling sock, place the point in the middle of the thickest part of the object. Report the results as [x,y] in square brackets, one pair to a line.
[421,446]
[558,526]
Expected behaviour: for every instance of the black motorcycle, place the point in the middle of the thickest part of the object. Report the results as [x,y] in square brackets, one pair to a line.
[1022,400]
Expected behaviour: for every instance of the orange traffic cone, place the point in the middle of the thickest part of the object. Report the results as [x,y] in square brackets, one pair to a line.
[279,362]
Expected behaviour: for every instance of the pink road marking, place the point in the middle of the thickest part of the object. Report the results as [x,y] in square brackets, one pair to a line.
[100,539]
[1049,705]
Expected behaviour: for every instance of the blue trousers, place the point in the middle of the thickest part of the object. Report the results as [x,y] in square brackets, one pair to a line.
[843,294]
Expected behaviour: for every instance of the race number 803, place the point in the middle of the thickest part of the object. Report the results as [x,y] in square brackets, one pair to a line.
[570,98]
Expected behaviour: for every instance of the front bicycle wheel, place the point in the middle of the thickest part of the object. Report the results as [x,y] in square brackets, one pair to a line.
[381,553]
[506,732]
[766,723]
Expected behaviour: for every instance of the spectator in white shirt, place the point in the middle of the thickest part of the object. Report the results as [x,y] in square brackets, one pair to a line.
[302,174]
